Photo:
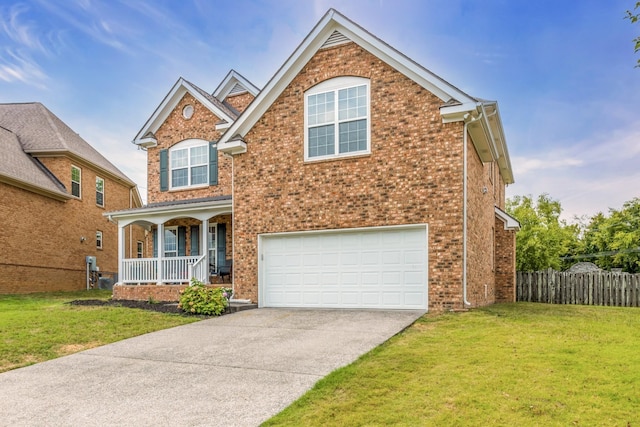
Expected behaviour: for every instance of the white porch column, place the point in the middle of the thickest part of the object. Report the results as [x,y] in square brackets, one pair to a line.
[121,243]
[205,245]
[160,252]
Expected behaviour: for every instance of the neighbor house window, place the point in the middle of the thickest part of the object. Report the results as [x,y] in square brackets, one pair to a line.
[76,177]
[189,165]
[99,239]
[337,120]
[99,191]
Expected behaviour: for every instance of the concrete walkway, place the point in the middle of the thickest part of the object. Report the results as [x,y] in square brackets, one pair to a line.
[236,370]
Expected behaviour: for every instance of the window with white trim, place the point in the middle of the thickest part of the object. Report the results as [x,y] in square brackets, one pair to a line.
[140,249]
[337,120]
[171,241]
[99,239]
[99,191]
[76,180]
[189,164]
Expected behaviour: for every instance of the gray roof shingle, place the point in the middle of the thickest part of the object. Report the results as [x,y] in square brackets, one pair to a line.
[21,168]
[38,130]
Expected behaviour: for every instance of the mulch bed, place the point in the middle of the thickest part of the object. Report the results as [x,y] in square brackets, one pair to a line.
[144,305]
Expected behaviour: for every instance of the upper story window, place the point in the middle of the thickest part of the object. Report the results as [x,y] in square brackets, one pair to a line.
[337,122]
[99,191]
[76,179]
[190,163]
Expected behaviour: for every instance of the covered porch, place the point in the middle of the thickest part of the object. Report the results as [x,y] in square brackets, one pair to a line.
[183,240]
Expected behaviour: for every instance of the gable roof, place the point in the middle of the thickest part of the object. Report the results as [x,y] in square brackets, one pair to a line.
[145,136]
[41,133]
[19,169]
[333,29]
[234,83]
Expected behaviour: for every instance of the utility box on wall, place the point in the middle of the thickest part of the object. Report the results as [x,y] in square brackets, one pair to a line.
[91,263]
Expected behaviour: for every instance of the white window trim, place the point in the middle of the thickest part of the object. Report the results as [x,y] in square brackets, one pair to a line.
[188,144]
[334,85]
[164,249]
[140,249]
[79,196]
[103,191]
[213,251]
[99,239]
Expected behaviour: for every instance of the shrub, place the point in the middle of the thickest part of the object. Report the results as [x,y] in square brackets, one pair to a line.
[200,299]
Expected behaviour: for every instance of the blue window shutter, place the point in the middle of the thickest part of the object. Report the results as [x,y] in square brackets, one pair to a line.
[195,240]
[222,245]
[164,170]
[155,242]
[182,241]
[213,163]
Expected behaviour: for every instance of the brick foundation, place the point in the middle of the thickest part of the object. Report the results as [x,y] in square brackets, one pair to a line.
[159,293]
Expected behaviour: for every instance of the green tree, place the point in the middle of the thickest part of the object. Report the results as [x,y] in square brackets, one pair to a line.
[543,238]
[614,241]
[634,18]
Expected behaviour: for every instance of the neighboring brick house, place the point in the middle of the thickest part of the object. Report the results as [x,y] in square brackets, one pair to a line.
[355,179]
[54,188]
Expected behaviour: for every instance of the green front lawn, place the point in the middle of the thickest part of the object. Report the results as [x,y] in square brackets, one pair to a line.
[506,365]
[38,327]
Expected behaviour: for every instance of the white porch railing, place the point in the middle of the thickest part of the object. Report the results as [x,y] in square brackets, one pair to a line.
[139,270]
[174,270]
[200,269]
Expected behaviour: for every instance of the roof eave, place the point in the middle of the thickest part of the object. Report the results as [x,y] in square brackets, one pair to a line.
[510,223]
[160,214]
[169,102]
[330,22]
[56,195]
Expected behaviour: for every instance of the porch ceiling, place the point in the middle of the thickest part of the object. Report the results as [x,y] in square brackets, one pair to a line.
[159,213]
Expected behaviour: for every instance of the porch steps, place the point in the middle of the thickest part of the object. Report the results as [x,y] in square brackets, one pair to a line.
[236,306]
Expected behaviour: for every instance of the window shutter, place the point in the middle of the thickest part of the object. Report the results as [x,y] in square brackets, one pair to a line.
[155,243]
[164,170]
[222,245]
[195,240]
[182,241]
[213,163]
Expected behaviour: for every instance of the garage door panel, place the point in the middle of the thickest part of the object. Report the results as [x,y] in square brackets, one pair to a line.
[370,278]
[368,268]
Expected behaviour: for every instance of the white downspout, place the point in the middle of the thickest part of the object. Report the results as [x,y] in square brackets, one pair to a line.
[233,228]
[467,119]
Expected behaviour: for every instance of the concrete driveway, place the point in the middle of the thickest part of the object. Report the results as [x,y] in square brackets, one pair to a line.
[236,370]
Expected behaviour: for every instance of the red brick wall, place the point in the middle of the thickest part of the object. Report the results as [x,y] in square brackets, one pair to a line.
[480,221]
[158,293]
[413,174]
[240,101]
[40,241]
[175,129]
[505,263]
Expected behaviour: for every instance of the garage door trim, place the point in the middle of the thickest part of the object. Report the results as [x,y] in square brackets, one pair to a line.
[263,236]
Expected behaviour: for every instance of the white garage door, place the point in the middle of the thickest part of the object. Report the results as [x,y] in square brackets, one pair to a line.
[379,267]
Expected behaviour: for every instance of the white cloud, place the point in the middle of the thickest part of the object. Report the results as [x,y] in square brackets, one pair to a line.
[588,177]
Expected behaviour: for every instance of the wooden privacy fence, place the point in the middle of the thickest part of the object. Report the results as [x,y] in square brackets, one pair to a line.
[592,288]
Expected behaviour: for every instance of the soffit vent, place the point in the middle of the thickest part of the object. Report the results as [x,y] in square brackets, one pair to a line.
[237,88]
[335,39]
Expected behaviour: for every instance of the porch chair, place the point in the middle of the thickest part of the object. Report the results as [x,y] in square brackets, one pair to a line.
[226,270]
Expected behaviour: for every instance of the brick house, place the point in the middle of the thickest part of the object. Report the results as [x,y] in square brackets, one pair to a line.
[54,188]
[355,178]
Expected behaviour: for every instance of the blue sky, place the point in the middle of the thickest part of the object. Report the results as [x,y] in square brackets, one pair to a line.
[562,71]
